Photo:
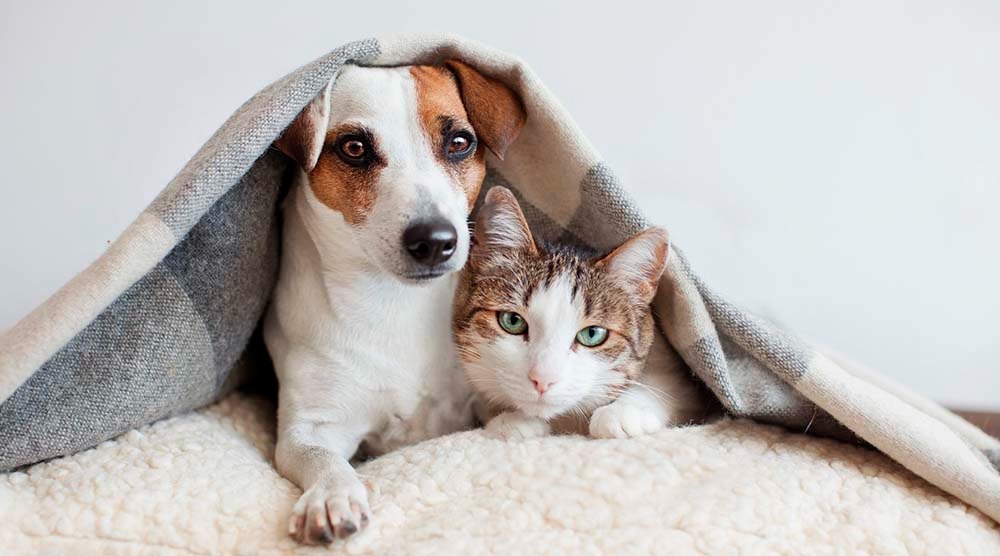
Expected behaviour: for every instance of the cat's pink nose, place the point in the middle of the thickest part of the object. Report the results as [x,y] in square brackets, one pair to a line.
[540,385]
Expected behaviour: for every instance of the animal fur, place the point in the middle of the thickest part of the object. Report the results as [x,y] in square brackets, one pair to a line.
[359,325]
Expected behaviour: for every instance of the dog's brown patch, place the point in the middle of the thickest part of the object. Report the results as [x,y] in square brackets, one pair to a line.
[302,140]
[438,103]
[494,108]
[346,189]
[444,104]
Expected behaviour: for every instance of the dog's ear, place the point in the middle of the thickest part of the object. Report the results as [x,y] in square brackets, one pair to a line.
[303,139]
[495,111]
[640,261]
[500,223]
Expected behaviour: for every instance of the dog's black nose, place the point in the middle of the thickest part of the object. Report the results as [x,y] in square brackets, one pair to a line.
[431,242]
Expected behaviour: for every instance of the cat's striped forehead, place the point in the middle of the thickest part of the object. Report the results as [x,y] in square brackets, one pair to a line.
[507,278]
[556,276]
[564,273]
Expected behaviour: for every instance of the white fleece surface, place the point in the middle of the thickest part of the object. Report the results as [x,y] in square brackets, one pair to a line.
[204,484]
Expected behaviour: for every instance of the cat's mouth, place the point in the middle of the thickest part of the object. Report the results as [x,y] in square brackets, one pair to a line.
[543,409]
[549,408]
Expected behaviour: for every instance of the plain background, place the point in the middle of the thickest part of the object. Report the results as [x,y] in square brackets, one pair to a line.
[833,165]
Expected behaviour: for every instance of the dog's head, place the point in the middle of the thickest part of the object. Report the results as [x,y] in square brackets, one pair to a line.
[399,154]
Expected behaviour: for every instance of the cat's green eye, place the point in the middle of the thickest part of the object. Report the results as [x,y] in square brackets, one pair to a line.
[592,336]
[512,323]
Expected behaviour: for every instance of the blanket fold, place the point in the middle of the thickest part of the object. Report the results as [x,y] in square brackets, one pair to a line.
[162,322]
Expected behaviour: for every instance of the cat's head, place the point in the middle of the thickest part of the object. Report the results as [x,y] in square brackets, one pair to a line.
[550,330]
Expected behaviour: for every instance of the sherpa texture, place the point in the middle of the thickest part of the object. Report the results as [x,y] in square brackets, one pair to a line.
[160,324]
[204,483]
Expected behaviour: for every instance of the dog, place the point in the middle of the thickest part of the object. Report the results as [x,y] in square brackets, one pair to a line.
[389,165]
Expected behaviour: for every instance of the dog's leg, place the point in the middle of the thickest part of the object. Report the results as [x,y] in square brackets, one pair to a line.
[316,440]
[334,502]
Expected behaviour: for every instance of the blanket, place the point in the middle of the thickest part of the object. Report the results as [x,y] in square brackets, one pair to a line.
[205,483]
[164,321]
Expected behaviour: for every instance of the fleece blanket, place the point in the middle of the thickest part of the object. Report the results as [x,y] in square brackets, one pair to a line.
[204,483]
[164,321]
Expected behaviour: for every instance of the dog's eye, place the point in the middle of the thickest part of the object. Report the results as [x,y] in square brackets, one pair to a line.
[353,148]
[356,149]
[460,145]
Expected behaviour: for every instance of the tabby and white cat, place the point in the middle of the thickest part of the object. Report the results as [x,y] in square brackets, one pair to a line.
[553,337]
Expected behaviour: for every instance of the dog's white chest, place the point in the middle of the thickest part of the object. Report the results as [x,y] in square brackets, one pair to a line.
[422,393]
[362,363]
[366,352]
[418,416]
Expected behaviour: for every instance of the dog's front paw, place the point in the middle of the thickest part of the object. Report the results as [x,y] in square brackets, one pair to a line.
[329,510]
[516,426]
[621,419]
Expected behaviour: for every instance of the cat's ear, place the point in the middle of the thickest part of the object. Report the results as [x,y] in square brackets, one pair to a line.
[501,224]
[640,261]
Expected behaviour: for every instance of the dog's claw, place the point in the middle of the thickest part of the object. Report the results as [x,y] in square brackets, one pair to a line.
[327,536]
[330,511]
[296,523]
[346,529]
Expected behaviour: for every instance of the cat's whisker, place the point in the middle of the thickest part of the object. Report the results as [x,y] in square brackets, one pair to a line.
[485,380]
[579,412]
[470,354]
[658,393]
[576,411]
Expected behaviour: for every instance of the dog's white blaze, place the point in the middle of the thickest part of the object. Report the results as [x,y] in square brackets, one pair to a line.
[413,185]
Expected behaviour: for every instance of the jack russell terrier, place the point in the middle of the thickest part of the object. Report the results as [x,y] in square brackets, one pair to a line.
[375,227]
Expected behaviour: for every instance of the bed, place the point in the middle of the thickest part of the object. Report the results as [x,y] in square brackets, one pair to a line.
[204,483]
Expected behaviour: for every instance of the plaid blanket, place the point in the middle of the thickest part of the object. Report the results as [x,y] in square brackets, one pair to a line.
[165,320]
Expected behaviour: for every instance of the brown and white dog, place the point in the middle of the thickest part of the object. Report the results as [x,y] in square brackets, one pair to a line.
[392,160]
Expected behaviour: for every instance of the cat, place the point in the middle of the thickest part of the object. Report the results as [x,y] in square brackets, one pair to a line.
[555,339]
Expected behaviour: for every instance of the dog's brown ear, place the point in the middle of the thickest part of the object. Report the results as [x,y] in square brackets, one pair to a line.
[303,139]
[495,111]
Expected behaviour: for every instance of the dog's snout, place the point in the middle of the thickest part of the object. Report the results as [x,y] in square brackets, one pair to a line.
[432,242]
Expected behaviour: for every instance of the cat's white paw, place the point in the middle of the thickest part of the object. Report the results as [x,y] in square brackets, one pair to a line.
[621,419]
[517,426]
[328,510]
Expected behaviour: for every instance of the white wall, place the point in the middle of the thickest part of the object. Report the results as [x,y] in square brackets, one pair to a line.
[837,167]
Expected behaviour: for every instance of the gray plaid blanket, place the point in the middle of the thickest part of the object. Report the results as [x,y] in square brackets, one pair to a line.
[164,321]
